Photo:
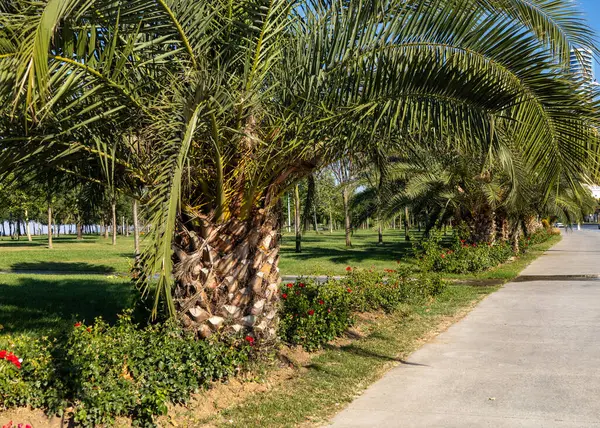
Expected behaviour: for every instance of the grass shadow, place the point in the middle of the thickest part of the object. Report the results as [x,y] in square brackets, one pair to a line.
[67,267]
[41,304]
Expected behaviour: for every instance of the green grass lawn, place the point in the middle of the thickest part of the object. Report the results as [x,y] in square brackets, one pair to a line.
[327,254]
[92,254]
[43,304]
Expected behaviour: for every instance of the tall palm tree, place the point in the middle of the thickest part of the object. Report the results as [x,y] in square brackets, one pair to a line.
[234,102]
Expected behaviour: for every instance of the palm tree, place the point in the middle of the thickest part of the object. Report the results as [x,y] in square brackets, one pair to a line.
[234,102]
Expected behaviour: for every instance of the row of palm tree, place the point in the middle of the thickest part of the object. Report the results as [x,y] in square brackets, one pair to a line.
[208,112]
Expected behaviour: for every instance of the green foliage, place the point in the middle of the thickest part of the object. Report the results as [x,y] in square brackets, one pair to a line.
[541,235]
[106,371]
[312,314]
[460,257]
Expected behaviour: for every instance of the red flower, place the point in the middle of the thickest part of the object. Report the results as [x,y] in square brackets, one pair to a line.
[89,329]
[77,324]
[348,269]
[329,311]
[290,285]
[11,358]
[250,340]
[443,256]
[321,302]
[297,293]
[349,290]
[462,241]
[284,296]
[311,312]
[8,425]
[301,285]
[474,244]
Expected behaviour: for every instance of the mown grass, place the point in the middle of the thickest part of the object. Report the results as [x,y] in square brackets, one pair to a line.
[322,253]
[46,304]
[327,254]
[92,254]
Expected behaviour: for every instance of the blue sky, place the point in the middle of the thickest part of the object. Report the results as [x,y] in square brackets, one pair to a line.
[591,8]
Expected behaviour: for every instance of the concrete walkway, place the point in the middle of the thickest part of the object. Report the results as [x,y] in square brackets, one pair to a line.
[527,356]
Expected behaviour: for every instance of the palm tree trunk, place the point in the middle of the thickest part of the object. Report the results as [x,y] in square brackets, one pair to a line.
[315,218]
[226,277]
[379,234]
[79,227]
[49,226]
[297,220]
[136,230]
[515,238]
[347,223]
[114,222]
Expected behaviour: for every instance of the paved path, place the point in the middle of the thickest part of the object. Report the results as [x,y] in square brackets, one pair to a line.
[527,356]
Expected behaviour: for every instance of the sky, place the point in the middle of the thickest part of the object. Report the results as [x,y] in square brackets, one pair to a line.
[591,9]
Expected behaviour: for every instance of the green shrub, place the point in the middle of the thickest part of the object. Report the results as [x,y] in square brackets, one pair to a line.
[313,314]
[104,371]
[459,256]
[542,235]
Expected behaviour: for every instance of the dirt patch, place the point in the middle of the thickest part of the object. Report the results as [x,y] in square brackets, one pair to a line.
[33,417]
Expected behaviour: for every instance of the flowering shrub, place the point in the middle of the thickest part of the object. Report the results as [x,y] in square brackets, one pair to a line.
[104,371]
[460,256]
[10,425]
[464,257]
[374,291]
[312,314]
[538,237]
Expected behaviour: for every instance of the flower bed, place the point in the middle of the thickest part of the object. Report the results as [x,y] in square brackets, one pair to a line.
[104,371]
[313,314]
[462,256]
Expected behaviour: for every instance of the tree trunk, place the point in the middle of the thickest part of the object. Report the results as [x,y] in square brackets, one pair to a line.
[18,229]
[347,223]
[315,218]
[379,234]
[114,222]
[515,238]
[27,226]
[289,216]
[136,230]
[227,280]
[79,228]
[330,223]
[297,220]
[406,225]
[50,226]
